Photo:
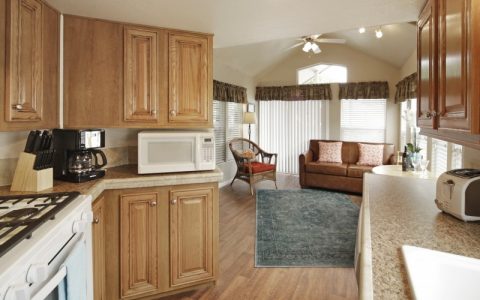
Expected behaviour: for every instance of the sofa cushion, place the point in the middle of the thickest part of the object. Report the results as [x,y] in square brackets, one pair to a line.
[357,171]
[330,152]
[327,168]
[258,167]
[370,155]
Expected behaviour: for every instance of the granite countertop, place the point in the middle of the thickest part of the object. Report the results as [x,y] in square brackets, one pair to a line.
[126,177]
[401,211]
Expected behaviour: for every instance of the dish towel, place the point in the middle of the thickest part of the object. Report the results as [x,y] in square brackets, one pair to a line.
[74,285]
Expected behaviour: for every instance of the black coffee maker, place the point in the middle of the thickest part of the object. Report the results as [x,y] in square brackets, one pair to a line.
[77,154]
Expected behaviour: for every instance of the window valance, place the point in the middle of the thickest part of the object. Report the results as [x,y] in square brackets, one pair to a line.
[406,88]
[363,90]
[294,92]
[228,92]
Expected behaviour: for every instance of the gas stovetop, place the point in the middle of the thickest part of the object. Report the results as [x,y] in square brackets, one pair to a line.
[20,215]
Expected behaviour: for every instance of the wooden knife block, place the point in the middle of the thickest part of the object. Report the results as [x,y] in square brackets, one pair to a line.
[26,179]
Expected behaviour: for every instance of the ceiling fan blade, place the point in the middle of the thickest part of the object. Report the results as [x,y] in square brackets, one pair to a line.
[333,41]
[315,36]
[296,45]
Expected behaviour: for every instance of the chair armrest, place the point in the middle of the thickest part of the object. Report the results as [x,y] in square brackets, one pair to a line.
[303,159]
[269,156]
[306,157]
[392,160]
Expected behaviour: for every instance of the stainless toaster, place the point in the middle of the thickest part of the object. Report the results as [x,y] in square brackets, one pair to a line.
[458,193]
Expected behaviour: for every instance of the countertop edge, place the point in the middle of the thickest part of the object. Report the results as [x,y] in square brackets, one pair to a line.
[366,272]
[152,181]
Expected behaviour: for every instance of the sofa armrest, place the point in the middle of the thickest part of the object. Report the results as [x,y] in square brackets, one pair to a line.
[303,159]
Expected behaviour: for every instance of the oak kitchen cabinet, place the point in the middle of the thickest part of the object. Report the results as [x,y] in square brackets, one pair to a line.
[29,68]
[98,248]
[449,70]
[159,240]
[144,77]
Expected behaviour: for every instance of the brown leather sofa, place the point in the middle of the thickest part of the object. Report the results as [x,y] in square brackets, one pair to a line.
[346,176]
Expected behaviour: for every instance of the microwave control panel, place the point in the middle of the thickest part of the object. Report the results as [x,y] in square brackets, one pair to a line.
[208,149]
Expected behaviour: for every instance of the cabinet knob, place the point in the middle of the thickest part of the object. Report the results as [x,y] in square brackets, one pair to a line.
[173,113]
[18,106]
[428,115]
[153,203]
[96,220]
[174,201]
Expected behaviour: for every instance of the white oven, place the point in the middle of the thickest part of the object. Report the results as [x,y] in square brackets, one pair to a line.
[55,261]
[179,151]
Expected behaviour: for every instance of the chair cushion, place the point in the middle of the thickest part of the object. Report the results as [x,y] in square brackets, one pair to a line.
[357,171]
[258,167]
[327,168]
[330,152]
[370,155]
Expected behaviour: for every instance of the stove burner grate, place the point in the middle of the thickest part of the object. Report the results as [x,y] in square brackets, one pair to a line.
[20,215]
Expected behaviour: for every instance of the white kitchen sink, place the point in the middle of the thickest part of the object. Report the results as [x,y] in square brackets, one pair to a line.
[439,275]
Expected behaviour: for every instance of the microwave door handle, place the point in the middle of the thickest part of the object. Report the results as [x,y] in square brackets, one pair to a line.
[197,153]
[49,286]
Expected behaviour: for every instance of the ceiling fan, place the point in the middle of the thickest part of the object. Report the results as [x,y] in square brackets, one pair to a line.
[310,43]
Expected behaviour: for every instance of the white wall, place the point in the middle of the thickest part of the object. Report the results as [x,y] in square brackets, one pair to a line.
[361,67]
[410,65]
[225,73]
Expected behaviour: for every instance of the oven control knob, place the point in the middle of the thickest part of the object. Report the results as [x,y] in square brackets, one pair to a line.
[18,292]
[87,216]
[37,273]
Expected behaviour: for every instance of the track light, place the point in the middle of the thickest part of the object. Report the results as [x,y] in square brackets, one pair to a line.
[378,33]
[361,29]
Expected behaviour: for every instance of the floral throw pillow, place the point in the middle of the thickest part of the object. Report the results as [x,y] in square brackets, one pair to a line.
[370,155]
[330,152]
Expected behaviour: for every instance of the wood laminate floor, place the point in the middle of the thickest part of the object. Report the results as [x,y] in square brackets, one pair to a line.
[239,279]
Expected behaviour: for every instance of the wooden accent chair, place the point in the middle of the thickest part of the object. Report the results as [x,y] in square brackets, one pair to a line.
[249,168]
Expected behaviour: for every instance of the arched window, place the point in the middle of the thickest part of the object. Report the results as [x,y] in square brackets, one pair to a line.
[322,73]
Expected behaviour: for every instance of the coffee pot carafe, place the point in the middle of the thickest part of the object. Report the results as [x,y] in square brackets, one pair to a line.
[85,161]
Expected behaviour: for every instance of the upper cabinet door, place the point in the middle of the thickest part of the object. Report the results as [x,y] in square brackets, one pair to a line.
[140,75]
[190,80]
[24,61]
[426,51]
[453,64]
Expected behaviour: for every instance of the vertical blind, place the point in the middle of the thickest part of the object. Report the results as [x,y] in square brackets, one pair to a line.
[286,127]
[227,123]
[363,120]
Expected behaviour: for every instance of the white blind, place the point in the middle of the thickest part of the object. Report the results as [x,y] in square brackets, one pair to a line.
[457,157]
[363,120]
[286,127]
[422,142]
[439,156]
[219,130]
[234,120]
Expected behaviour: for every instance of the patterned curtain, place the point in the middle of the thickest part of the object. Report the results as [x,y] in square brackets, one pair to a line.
[228,92]
[363,90]
[406,88]
[294,92]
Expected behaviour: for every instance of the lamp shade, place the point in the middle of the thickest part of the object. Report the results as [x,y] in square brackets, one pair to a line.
[249,118]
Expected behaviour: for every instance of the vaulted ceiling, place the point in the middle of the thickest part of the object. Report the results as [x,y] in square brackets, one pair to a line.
[241,22]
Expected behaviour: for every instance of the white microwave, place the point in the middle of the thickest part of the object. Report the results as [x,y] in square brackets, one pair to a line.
[179,151]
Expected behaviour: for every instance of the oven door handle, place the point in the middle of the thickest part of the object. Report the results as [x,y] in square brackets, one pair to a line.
[49,286]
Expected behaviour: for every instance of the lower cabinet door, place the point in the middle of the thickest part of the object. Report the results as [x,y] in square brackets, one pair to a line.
[138,244]
[191,235]
[98,237]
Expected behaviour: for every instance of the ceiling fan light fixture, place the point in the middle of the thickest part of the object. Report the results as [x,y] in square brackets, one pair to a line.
[361,29]
[315,48]
[379,33]
[307,46]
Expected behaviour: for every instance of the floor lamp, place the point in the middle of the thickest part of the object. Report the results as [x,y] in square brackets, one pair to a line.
[249,118]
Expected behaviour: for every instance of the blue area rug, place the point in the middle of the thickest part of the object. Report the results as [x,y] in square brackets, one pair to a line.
[305,228]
